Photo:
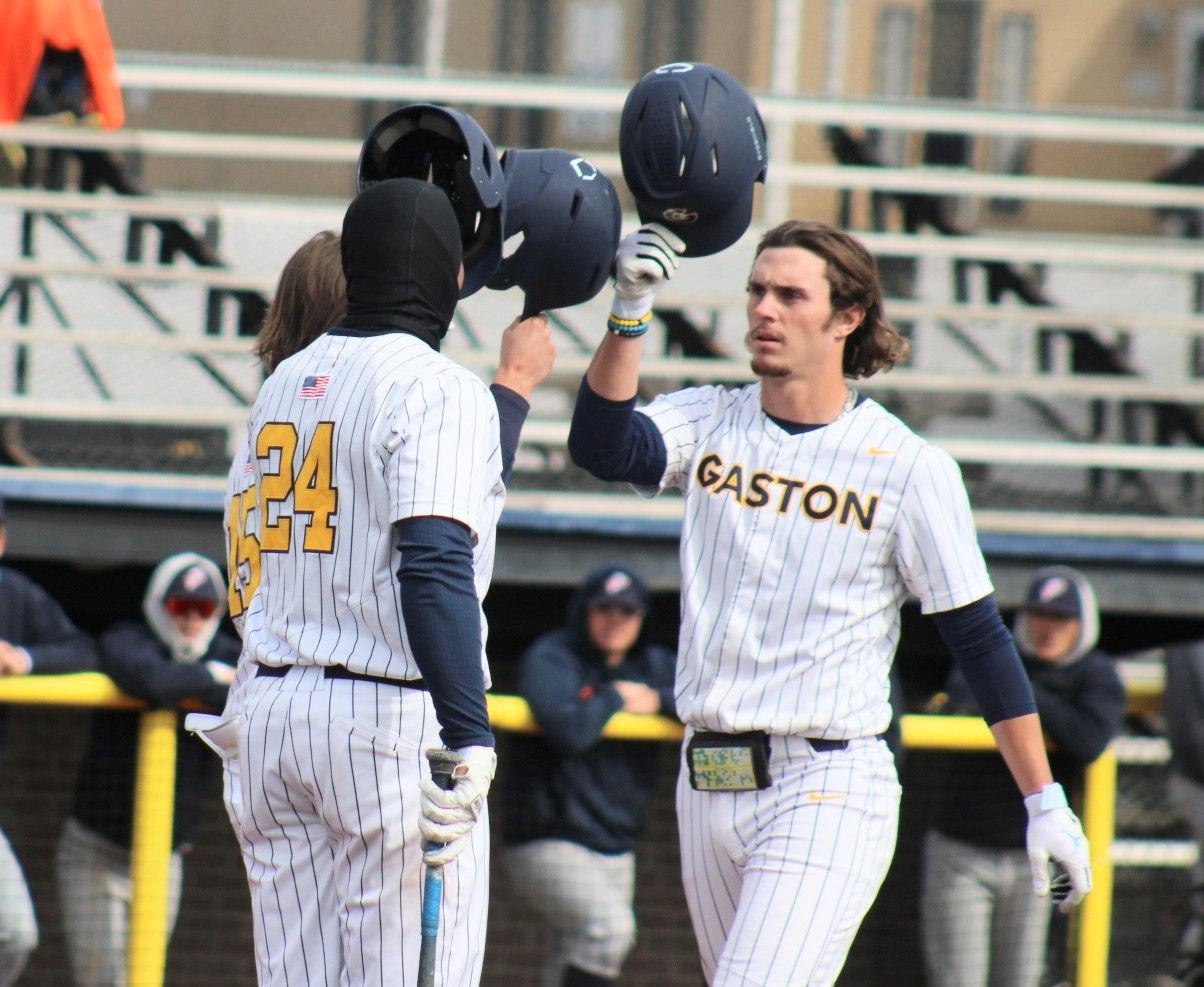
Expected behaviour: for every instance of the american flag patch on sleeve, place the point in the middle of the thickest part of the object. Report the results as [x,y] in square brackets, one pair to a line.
[314,386]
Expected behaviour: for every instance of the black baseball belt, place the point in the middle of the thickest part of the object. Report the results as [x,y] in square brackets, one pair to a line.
[340,672]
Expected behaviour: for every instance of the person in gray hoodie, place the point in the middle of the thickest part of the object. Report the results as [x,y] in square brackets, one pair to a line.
[981,925]
[575,801]
[176,652]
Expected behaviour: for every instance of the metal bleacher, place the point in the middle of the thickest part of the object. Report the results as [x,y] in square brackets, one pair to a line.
[1060,369]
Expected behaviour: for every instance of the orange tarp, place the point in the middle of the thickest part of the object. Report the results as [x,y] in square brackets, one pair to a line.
[27,26]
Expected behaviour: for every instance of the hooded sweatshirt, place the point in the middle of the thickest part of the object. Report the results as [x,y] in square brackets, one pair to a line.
[1081,702]
[1183,704]
[569,783]
[151,661]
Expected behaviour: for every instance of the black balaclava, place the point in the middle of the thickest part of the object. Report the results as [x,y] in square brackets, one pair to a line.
[401,257]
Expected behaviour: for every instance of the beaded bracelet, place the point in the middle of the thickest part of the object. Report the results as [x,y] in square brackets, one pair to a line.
[629,327]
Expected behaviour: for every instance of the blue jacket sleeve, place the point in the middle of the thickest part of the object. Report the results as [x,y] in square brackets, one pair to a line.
[54,644]
[665,663]
[569,704]
[1082,725]
[140,666]
[986,656]
[443,622]
[612,442]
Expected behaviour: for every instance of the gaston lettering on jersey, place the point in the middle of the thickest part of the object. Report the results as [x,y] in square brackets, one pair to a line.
[797,552]
[819,501]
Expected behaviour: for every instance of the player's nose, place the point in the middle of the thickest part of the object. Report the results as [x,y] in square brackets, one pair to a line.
[763,307]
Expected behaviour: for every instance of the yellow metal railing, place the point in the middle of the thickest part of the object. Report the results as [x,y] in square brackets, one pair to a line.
[154,798]
[154,795]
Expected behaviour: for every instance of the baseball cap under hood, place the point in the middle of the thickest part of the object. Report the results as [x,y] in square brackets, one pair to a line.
[1060,591]
[185,575]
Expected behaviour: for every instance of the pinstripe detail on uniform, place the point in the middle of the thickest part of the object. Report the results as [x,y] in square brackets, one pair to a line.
[355,750]
[414,435]
[796,554]
[324,794]
[778,883]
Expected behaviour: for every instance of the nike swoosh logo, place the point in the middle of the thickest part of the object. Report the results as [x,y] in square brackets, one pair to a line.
[875,451]
[824,797]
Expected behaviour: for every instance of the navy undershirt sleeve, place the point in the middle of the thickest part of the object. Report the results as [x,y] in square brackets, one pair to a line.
[612,442]
[443,622]
[986,656]
[512,410]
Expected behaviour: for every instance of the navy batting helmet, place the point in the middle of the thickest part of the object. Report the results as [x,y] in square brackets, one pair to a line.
[568,214]
[449,148]
[693,145]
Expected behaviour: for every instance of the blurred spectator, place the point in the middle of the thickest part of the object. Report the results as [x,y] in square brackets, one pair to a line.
[982,925]
[1183,706]
[36,637]
[576,803]
[56,57]
[176,653]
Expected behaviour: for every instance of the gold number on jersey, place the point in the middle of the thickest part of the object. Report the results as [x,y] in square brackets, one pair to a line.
[314,493]
[275,486]
[312,490]
[244,551]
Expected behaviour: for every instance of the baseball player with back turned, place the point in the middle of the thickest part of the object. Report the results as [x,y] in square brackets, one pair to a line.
[366,516]
[810,514]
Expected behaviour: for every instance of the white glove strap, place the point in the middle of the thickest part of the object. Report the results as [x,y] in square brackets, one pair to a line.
[1052,796]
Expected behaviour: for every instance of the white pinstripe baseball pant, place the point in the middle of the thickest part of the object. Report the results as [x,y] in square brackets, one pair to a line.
[778,880]
[329,776]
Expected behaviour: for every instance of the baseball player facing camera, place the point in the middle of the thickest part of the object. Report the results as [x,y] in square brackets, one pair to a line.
[362,520]
[811,513]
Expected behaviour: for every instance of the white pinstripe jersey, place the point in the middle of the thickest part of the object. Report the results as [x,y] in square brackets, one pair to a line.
[346,437]
[797,552]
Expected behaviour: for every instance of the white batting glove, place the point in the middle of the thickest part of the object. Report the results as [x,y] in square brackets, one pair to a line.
[645,260]
[448,815]
[1054,832]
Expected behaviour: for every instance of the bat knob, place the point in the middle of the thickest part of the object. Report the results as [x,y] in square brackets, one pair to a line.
[442,762]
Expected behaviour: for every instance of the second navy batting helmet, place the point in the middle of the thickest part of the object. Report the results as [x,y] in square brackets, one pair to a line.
[447,147]
[693,145]
[567,213]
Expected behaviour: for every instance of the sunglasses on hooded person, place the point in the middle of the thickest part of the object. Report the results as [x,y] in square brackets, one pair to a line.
[182,606]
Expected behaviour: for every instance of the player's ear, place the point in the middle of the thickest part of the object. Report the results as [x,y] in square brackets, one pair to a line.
[846,320]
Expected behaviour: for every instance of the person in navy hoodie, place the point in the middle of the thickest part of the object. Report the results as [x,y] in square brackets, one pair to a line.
[576,802]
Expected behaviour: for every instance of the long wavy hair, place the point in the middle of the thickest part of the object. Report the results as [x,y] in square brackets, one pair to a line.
[852,281]
[310,298]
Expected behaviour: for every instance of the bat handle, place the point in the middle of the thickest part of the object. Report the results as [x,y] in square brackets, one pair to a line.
[442,763]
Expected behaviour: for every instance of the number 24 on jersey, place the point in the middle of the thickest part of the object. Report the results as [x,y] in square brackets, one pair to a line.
[284,491]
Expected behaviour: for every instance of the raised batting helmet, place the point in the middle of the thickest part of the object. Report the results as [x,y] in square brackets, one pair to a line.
[693,145]
[449,148]
[568,215]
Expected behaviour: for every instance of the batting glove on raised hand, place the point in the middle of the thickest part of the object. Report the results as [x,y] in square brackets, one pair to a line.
[645,260]
[1054,832]
[448,815]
